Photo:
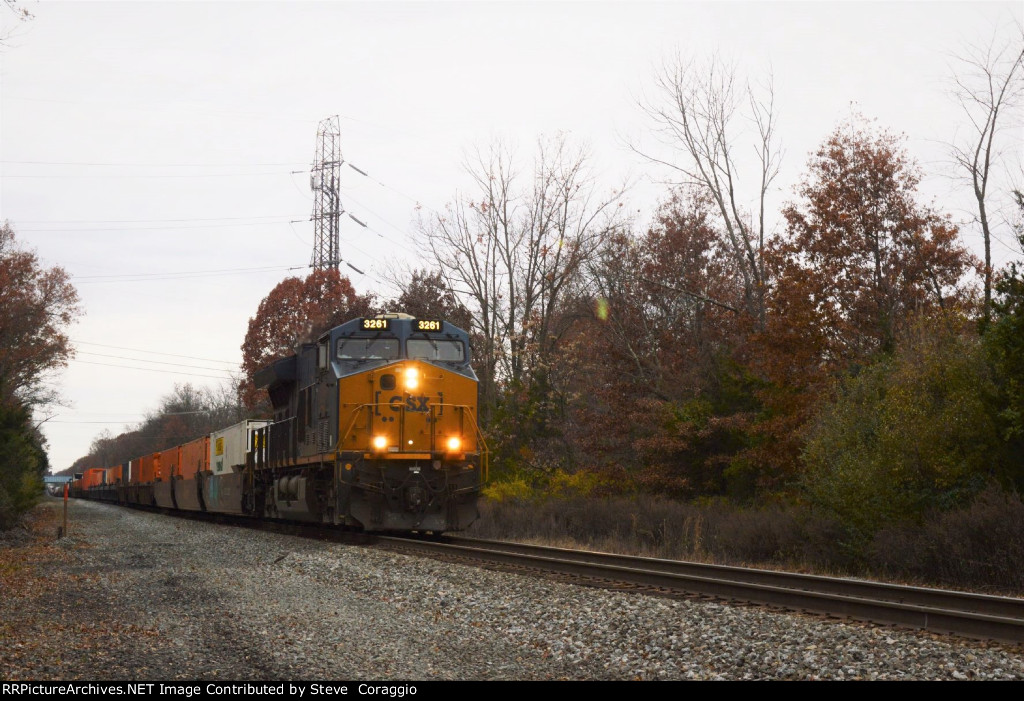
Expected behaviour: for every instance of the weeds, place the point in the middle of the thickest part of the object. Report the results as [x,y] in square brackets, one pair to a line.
[980,547]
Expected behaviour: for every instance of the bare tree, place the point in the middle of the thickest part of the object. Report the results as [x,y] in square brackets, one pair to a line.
[697,109]
[10,18]
[513,252]
[989,85]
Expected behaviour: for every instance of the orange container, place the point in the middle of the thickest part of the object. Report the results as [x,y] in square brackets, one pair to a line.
[114,475]
[170,463]
[93,477]
[135,471]
[149,468]
[195,457]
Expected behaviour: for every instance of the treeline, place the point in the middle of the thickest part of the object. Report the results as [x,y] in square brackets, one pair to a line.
[37,305]
[848,362]
[185,414]
[855,364]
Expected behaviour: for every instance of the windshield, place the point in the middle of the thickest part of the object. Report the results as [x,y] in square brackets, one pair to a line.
[444,351]
[368,349]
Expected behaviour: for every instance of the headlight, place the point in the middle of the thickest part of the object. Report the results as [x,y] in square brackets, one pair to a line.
[412,378]
[454,443]
[380,442]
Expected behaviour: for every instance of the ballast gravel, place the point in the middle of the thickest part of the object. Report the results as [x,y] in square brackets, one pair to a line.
[144,596]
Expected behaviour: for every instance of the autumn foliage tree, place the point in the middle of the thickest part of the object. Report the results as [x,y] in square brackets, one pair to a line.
[37,305]
[296,311]
[861,260]
[909,434]
[426,296]
[670,297]
[657,389]
[862,250]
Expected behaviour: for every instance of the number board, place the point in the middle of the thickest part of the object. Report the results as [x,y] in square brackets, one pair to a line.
[376,324]
[427,325]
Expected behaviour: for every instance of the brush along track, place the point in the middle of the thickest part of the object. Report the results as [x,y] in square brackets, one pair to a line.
[939,611]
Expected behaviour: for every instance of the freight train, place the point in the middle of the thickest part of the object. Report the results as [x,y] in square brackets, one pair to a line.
[374,426]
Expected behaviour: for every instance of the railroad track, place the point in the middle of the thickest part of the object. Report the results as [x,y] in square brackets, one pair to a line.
[939,611]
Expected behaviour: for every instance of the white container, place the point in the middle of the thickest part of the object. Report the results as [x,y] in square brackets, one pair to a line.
[229,446]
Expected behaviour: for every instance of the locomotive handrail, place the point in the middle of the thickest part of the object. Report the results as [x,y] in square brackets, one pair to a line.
[485,454]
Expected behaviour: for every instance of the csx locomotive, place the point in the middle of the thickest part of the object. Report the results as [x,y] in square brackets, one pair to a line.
[374,426]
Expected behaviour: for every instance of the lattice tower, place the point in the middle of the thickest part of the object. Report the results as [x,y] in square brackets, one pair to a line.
[324,180]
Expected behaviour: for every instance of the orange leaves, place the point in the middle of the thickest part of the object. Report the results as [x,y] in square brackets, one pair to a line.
[861,254]
[36,307]
[294,312]
[861,259]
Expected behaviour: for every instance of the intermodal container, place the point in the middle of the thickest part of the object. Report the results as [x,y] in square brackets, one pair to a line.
[195,457]
[149,468]
[170,463]
[135,471]
[93,477]
[229,446]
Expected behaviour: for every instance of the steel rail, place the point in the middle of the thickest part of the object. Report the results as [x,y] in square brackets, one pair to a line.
[939,611]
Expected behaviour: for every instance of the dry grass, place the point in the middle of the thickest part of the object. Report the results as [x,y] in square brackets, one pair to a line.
[43,623]
[28,546]
[980,548]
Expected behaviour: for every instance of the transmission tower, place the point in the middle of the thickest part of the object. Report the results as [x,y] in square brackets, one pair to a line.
[324,180]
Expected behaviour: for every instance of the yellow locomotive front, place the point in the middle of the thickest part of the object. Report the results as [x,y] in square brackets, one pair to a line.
[377,427]
[410,447]
[410,410]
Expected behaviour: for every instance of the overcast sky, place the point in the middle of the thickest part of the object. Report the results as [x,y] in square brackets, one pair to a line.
[159,151]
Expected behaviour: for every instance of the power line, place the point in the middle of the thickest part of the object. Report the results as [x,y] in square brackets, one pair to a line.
[327,206]
[158,362]
[136,175]
[166,372]
[153,165]
[176,227]
[265,268]
[58,421]
[139,350]
[145,221]
[147,417]
[374,230]
[183,275]
[412,199]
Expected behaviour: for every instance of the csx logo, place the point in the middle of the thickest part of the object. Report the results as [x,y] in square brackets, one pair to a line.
[420,403]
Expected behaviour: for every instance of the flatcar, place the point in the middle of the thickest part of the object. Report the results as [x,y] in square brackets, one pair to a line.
[374,426]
